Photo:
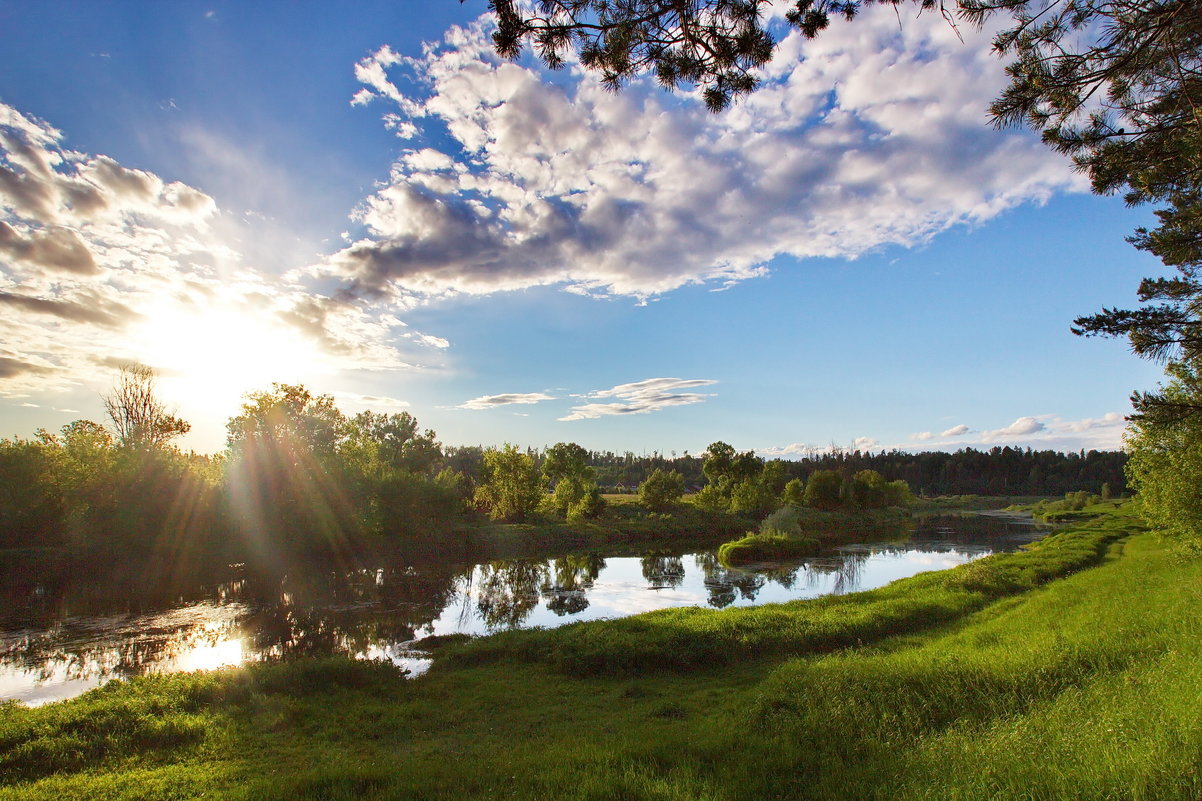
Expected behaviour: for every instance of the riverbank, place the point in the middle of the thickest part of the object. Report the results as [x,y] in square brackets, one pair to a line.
[628,528]
[990,680]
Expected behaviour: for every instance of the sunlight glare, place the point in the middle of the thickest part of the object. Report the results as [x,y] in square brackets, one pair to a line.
[209,359]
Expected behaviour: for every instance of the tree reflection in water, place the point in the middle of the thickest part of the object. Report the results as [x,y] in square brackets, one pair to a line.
[569,580]
[725,585]
[509,591]
[662,571]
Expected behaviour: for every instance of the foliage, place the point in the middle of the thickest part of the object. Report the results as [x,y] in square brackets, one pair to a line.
[716,45]
[576,495]
[394,442]
[717,463]
[662,490]
[510,486]
[793,493]
[784,522]
[565,460]
[1166,459]
[753,497]
[823,490]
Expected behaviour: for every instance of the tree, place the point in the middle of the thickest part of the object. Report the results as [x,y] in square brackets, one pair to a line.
[823,490]
[717,462]
[510,486]
[287,484]
[139,417]
[794,493]
[662,490]
[290,420]
[395,441]
[565,460]
[576,494]
[1165,467]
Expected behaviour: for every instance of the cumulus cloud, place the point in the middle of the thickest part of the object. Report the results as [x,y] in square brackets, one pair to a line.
[955,431]
[642,397]
[506,399]
[876,136]
[1023,426]
[923,436]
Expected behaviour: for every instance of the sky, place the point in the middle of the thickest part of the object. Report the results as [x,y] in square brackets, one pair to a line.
[364,199]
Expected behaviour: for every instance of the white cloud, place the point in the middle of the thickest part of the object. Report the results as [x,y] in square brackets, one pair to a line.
[877,136]
[491,401]
[1043,431]
[353,400]
[864,444]
[642,397]
[1023,426]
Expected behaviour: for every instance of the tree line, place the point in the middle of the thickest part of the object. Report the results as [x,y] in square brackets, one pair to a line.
[302,483]
[997,471]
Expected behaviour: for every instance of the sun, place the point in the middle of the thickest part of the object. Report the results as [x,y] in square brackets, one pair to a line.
[208,358]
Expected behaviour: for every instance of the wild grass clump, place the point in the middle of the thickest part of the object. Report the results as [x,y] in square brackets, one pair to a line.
[765,548]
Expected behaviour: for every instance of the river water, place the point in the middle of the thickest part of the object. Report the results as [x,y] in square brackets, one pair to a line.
[58,644]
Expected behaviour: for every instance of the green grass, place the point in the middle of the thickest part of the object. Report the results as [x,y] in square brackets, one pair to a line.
[996,680]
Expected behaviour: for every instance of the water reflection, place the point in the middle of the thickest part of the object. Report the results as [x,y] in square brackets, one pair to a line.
[59,641]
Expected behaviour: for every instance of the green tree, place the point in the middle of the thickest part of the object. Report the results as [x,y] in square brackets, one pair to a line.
[662,490]
[897,493]
[575,492]
[1165,465]
[717,463]
[510,485]
[393,441]
[823,489]
[290,421]
[753,497]
[793,493]
[565,460]
[289,489]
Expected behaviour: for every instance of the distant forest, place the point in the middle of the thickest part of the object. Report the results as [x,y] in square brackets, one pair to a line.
[997,471]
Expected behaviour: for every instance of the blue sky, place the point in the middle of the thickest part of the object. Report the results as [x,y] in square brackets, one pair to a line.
[365,200]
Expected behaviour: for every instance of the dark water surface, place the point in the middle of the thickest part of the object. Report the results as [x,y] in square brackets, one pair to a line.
[58,643]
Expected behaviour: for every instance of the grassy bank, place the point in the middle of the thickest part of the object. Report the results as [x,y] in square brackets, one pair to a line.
[994,680]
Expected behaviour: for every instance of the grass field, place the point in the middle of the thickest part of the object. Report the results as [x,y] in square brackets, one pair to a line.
[1073,670]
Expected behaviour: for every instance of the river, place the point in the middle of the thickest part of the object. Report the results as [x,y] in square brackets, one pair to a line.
[57,643]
